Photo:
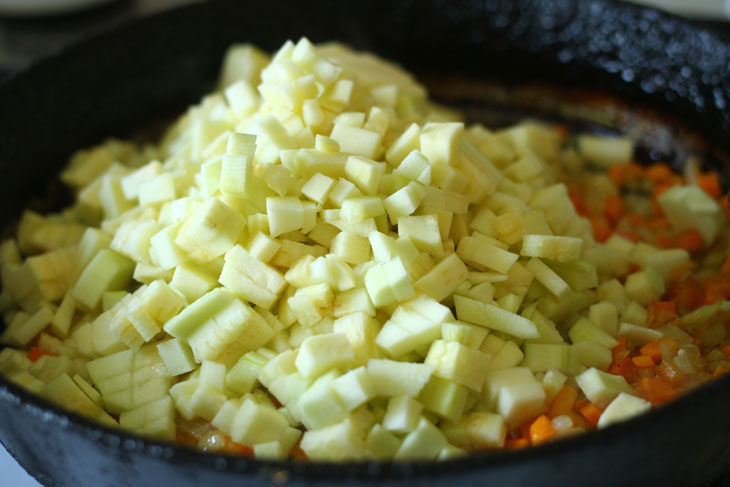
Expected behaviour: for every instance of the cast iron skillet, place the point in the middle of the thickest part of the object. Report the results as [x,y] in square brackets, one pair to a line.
[151,68]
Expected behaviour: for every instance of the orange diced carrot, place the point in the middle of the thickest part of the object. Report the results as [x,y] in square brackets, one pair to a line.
[660,172]
[37,352]
[516,443]
[621,345]
[614,209]
[298,454]
[661,313]
[185,438]
[657,211]
[629,235]
[617,174]
[710,184]
[621,174]
[578,201]
[579,403]
[561,130]
[601,229]
[664,241]
[724,201]
[725,350]
[717,287]
[643,361]
[541,430]
[691,241]
[659,223]
[720,371]
[726,265]
[620,352]
[525,430]
[656,391]
[563,402]
[660,189]
[626,368]
[592,413]
[236,448]
[636,219]
[687,293]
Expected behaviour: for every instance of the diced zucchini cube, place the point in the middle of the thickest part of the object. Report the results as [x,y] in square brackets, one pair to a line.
[600,387]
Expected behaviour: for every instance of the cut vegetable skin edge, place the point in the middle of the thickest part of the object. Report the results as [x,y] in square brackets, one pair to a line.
[315,260]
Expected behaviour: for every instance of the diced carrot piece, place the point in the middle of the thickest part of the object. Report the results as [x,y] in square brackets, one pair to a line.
[579,403]
[541,430]
[525,430]
[516,443]
[636,219]
[635,171]
[626,368]
[643,361]
[563,402]
[578,201]
[717,288]
[710,184]
[592,413]
[615,208]
[660,223]
[712,298]
[652,350]
[620,352]
[601,229]
[725,350]
[620,347]
[664,241]
[659,172]
[720,371]
[236,448]
[661,313]
[621,355]
[298,454]
[691,241]
[185,438]
[726,265]
[724,201]
[617,173]
[633,236]
[687,293]
[657,211]
[622,174]
[660,189]
[683,272]
[37,352]
[656,391]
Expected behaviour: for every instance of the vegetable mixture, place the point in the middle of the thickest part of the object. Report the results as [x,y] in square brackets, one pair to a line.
[316,262]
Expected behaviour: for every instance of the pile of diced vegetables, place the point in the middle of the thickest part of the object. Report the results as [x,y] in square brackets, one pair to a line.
[317,263]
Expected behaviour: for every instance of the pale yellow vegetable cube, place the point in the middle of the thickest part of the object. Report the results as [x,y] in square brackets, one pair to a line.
[364,173]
